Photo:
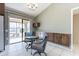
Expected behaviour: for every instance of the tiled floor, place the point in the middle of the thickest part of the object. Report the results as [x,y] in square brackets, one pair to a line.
[15,39]
[51,50]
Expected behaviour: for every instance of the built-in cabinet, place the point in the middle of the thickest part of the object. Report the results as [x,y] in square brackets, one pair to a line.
[66,39]
[60,38]
[2,13]
[2,9]
[1,33]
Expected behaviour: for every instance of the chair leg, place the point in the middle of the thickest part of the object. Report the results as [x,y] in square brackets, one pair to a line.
[27,47]
[39,53]
[45,53]
[31,51]
[35,53]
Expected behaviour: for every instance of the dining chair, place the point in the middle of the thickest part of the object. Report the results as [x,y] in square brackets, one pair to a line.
[28,41]
[40,44]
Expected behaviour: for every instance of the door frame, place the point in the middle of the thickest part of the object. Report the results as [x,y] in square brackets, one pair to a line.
[72,27]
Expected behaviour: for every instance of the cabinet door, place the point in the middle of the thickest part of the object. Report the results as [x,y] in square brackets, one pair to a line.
[50,37]
[57,38]
[2,9]
[65,39]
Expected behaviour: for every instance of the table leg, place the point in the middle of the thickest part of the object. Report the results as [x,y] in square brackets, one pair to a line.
[31,45]
[31,51]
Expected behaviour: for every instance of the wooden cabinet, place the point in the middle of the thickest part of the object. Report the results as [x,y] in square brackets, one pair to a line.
[50,36]
[59,38]
[65,40]
[2,9]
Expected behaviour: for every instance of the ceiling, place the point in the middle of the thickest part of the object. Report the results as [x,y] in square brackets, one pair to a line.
[22,7]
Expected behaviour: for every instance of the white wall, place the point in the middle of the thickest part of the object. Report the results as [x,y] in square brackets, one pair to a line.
[56,18]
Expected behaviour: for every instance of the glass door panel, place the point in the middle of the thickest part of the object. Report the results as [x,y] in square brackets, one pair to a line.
[26,26]
[15,30]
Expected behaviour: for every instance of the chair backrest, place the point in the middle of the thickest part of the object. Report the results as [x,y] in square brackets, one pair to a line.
[43,36]
[28,33]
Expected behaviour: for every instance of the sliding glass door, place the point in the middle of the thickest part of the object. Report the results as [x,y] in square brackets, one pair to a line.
[26,27]
[17,29]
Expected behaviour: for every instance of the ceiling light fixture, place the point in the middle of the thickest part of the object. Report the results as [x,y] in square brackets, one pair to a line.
[32,6]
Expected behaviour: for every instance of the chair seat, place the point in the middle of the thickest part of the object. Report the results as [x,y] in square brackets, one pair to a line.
[37,47]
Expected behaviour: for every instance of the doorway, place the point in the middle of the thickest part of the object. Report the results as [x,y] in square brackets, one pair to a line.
[75,29]
[17,28]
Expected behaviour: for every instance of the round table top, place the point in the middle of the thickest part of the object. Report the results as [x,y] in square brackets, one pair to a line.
[31,37]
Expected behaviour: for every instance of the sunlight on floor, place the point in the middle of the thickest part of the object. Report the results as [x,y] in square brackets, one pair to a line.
[14,40]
